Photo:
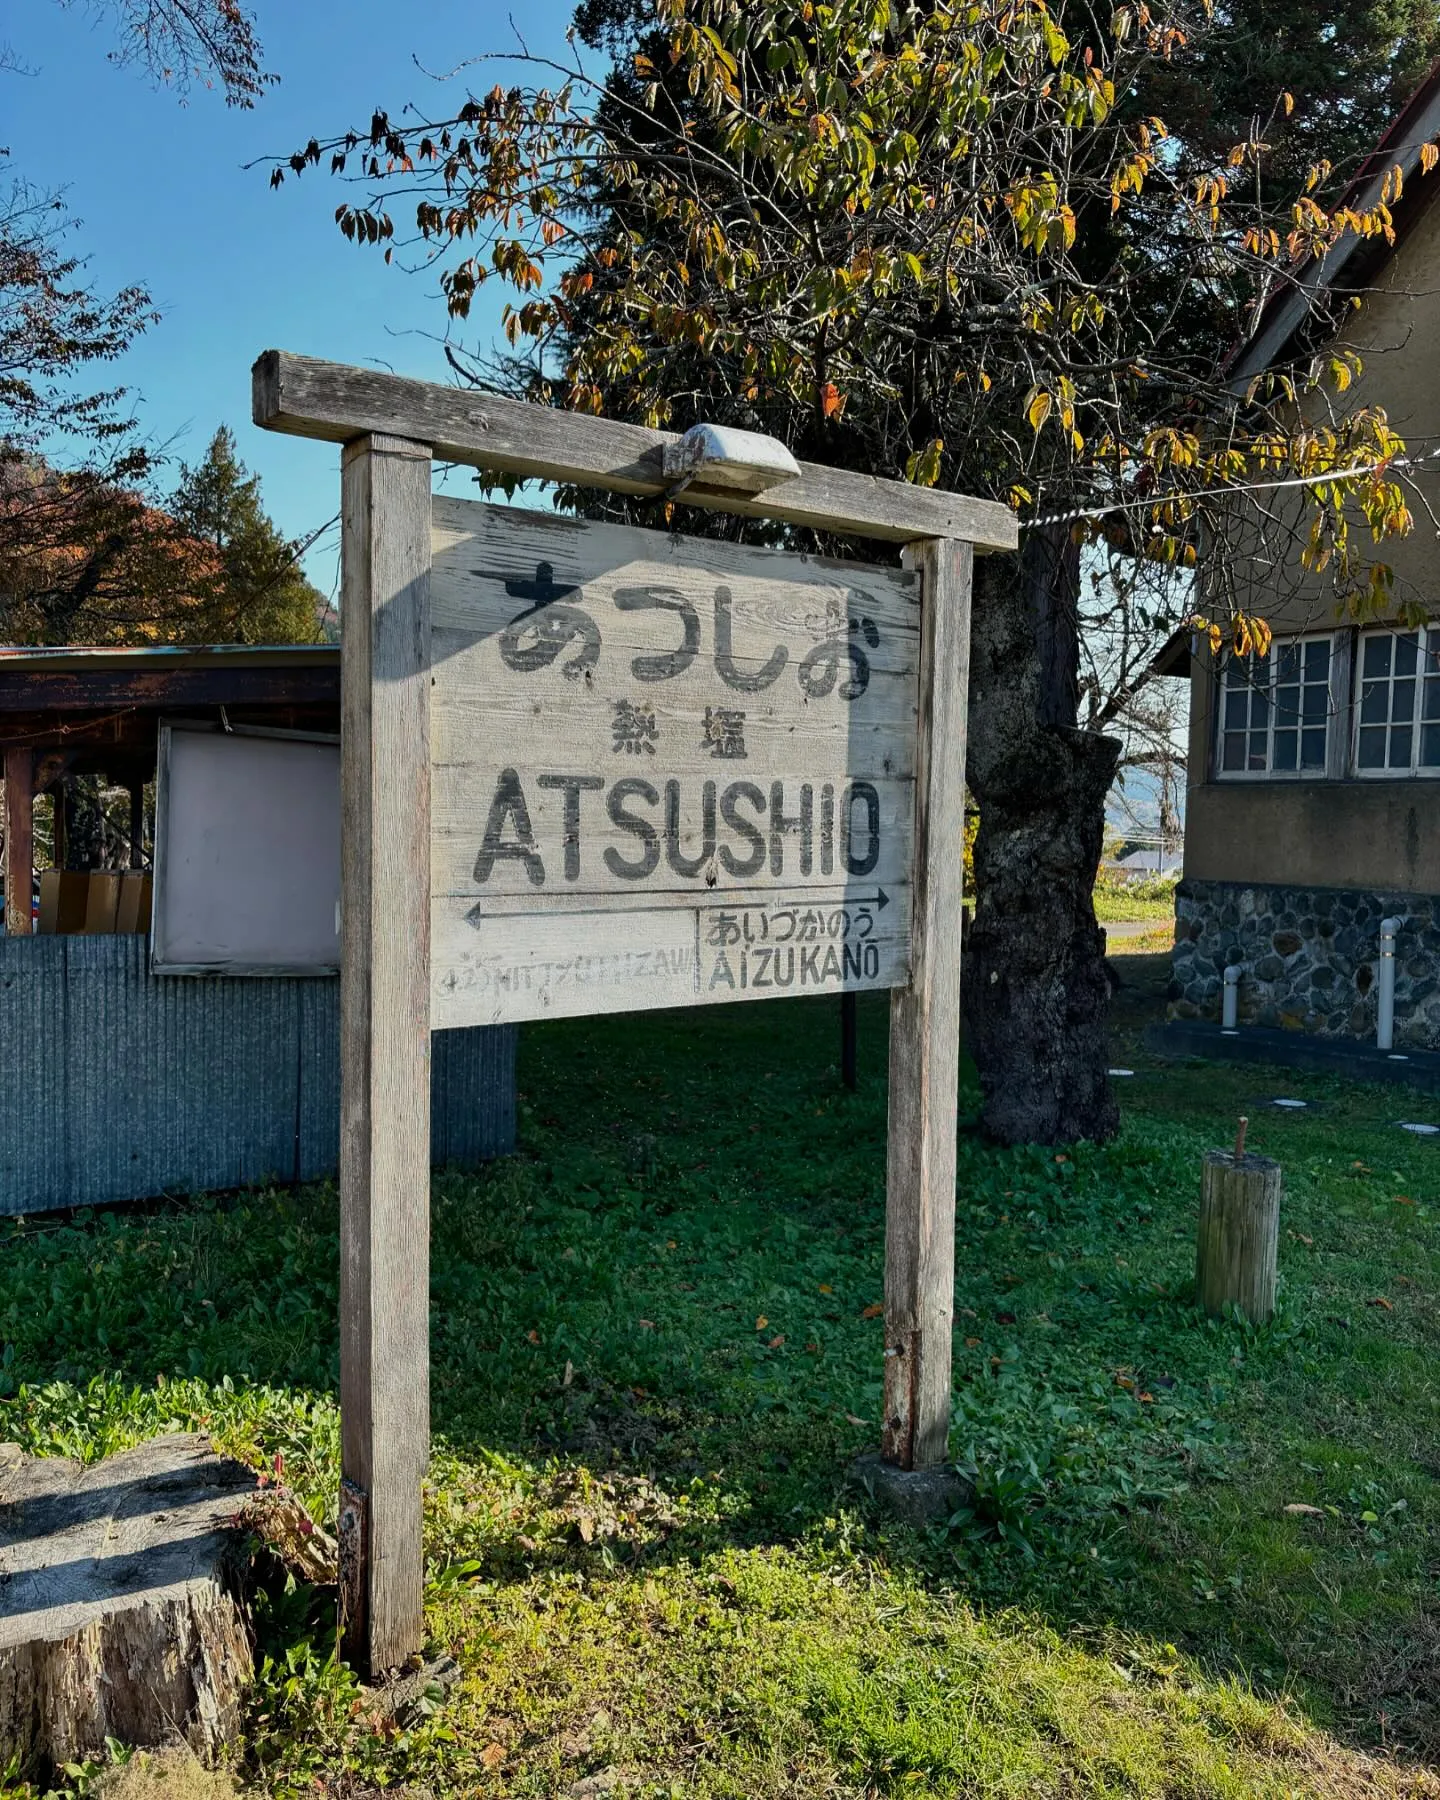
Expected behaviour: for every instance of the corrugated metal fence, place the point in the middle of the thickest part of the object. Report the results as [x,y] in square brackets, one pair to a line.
[119,1084]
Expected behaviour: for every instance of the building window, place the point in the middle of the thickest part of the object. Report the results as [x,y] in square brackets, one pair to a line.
[1398,729]
[1275,710]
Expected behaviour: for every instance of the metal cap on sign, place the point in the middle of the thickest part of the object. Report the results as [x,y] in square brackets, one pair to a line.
[723,456]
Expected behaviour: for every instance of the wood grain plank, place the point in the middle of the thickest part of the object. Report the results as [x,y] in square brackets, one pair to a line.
[634,728]
[19,838]
[925,1039]
[307,397]
[502,968]
[385,1038]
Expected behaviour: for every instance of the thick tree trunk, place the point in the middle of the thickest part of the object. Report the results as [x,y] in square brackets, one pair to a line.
[1036,989]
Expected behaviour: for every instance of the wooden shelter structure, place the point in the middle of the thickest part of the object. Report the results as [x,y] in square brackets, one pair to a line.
[132,1078]
[97,711]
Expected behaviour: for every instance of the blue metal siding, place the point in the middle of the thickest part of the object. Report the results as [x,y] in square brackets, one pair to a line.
[119,1084]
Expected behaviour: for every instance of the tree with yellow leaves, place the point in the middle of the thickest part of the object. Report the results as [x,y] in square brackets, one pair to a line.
[953,243]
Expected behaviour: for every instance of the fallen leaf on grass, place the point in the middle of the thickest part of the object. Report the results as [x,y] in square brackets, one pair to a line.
[850,1419]
[1380,1300]
[776,1342]
[493,1755]
[972,1343]
[1299,1237]
[872,1312]
[761,1322]
[533,1337]
[1297,1509]
[1403,1200]
[825,1288]
[647,1324]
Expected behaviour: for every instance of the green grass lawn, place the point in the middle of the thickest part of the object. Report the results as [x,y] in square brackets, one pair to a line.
[1117,904]
[655,1350]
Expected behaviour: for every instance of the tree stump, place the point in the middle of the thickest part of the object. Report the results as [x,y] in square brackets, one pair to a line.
[119,1609]
[1239,1234]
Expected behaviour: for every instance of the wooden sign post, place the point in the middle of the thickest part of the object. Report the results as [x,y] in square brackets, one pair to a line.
[589,768]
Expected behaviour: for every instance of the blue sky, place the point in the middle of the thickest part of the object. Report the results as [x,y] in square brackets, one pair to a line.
[235,269]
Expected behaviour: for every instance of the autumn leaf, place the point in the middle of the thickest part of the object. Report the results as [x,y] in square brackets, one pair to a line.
[1380,1300]
[850,1419]
[825,1288]
[972,1343]
[761,1322]
[1297,1509]
[872,1312]
[532,1337]
[832,401]
[776,1342]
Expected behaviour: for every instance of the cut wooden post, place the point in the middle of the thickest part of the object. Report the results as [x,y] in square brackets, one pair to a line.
[19,838]
[1239,1234]
[925,1035]
[384,1044]
[120,1615]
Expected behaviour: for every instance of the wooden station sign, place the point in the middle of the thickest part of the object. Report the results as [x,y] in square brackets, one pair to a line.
[586,769]
[666,771]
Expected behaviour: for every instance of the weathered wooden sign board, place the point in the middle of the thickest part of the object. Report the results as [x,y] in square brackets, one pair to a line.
[666,771]
[593,769]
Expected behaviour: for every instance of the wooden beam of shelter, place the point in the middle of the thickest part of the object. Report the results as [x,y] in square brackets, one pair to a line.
[310,398]
[95,690]
[19,839]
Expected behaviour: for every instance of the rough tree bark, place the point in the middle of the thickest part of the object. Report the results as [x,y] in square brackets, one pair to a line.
[1036,989]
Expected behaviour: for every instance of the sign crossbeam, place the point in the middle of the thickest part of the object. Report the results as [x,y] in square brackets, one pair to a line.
[587,768]
[307,397]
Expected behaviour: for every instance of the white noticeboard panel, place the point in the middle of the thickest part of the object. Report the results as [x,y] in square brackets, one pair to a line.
[247,853]
[666,770]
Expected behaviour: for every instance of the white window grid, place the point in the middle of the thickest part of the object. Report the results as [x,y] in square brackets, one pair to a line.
[1397,705]
[1275,710]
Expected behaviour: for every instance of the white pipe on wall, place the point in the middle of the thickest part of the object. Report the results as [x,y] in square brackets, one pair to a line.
[1385,1034]
[1230,1006]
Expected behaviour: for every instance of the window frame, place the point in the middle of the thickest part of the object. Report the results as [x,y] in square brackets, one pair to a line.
[1430,633]
[1334,707]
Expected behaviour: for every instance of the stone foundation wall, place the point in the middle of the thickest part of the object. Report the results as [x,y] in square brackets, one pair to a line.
[1310,958]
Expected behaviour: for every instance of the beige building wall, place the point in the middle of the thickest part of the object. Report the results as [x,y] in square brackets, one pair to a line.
[1343,831]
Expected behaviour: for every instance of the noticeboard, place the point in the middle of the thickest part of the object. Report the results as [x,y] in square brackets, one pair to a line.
[247,852]
[666,770]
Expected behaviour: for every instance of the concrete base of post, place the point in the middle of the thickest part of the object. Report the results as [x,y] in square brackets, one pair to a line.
[918,1497]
